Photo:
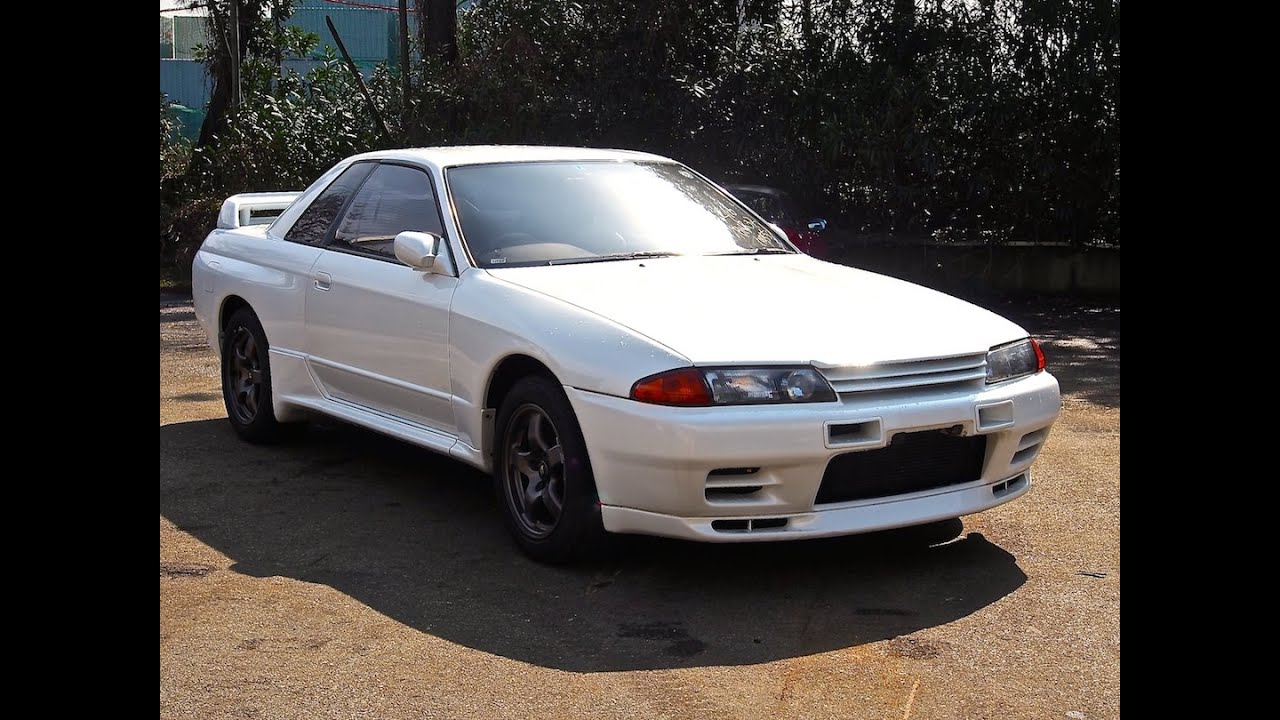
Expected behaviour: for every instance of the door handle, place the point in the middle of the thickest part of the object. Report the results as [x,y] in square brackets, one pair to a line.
[323,281]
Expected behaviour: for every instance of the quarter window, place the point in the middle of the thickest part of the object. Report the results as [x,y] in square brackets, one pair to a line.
[394,199]
[313,224]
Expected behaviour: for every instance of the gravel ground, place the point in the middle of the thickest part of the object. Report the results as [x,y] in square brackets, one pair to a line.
[345,575]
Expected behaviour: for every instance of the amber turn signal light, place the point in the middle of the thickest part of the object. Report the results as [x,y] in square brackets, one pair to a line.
[685,387]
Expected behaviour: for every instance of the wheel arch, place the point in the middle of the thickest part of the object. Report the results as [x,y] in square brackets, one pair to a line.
[231,304]
[507,372]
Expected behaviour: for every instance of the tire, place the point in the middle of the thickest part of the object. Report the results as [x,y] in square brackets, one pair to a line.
[540,463]
[246,379]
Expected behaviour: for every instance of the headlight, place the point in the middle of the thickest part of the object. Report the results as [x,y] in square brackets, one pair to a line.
[1014,360]
[699,387]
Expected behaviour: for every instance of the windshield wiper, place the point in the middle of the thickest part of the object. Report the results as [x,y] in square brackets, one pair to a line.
[614,256]
[758,251]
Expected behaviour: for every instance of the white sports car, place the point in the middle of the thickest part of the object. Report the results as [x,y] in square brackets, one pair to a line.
[621,343]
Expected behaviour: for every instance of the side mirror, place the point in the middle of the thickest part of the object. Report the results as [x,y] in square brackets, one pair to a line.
[418,250]
[779,231]
[817,225]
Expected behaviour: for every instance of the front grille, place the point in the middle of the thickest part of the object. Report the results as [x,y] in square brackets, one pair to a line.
[957,369]
[910,463]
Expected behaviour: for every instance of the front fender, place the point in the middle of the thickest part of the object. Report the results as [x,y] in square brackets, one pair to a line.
[492,320]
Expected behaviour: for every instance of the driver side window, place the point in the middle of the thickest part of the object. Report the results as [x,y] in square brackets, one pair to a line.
[394,199]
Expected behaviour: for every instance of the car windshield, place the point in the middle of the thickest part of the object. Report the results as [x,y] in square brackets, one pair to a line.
[552,213]
[773,206]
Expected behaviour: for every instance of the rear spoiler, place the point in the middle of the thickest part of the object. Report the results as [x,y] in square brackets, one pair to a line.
[253,209]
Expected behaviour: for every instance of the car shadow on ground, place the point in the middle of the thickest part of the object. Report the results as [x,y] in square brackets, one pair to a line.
[417,537]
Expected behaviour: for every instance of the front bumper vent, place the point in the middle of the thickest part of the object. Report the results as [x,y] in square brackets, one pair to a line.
[746,525]
[733,483]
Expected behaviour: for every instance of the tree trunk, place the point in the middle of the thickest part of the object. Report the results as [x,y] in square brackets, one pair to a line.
[438,29]
[904,30]
[219,80]
[404,59]
[223,66]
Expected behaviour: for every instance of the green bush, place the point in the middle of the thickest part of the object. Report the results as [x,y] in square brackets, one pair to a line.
[287,131]
[990,121]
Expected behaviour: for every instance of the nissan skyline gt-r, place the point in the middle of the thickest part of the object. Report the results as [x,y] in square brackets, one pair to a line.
[623,345]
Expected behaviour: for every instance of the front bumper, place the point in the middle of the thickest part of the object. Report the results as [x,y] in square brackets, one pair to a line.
[653,465]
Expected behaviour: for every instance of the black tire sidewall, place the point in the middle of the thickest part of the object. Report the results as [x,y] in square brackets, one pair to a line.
[579,531]
[263,427]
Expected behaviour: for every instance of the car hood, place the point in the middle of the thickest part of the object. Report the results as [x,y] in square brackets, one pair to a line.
[771,309]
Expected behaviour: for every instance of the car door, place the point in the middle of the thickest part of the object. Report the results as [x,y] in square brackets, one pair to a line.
[378,330]
[284,270]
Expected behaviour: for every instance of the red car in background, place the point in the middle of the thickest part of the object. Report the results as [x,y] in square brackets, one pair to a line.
[777,207]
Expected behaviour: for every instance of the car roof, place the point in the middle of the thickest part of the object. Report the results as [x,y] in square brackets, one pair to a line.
[454,155]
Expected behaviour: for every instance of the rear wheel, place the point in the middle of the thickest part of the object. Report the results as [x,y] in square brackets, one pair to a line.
[246,378]
[542,474]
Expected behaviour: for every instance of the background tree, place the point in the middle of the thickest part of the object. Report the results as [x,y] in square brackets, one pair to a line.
[977,120]
[438,30]
[256,27]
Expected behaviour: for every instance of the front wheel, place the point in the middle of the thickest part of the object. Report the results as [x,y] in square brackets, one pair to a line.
[542,474]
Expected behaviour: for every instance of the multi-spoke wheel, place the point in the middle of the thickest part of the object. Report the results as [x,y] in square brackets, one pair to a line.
[245,375]
[246,378]
[542,473]
[535,470]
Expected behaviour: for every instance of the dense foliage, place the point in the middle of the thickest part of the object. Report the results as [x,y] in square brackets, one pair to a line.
[289,129]
[980,120]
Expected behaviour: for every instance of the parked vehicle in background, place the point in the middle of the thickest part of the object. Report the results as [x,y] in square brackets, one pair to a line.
[777,207]
[621,344]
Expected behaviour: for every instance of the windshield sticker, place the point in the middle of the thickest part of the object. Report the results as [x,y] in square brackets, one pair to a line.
[498,261]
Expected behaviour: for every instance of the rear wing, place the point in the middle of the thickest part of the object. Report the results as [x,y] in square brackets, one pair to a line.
[253,209]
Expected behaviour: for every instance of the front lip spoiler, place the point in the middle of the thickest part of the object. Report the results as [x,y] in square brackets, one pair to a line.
[837,520]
